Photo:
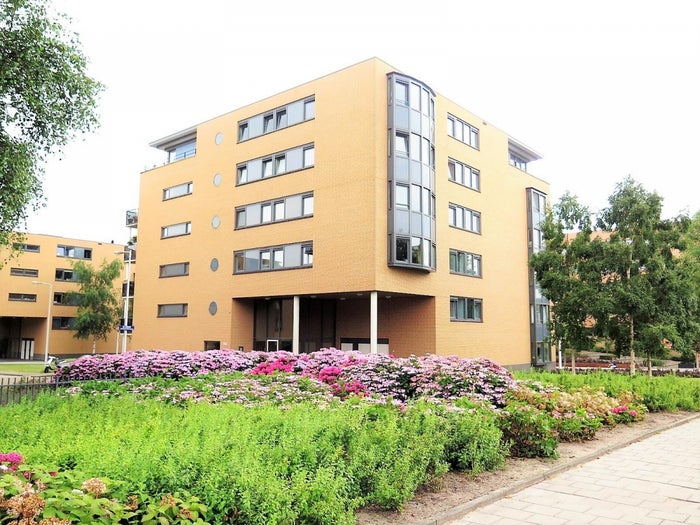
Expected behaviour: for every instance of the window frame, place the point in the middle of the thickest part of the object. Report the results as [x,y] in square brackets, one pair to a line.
[469,218]
[164,313]
[24,272]
[167,192]
[166,275]
[164,230]
[462,304]
[476,262]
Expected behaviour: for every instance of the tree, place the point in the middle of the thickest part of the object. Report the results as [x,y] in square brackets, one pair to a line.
[650,294]
[98,305]
[569,274]
[624,278]
[690,263]
[46,98]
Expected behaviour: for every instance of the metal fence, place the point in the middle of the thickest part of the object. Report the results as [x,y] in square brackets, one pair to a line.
[16,388]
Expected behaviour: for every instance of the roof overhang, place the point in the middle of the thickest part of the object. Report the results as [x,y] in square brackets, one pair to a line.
[521,150]
[175,139]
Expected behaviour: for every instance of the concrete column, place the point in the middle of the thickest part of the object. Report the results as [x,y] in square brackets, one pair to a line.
[373,323]
[295,326]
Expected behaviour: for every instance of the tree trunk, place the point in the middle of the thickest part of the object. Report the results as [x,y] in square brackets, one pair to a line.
[632,363]
[94,344]
[573,362]
[649,364]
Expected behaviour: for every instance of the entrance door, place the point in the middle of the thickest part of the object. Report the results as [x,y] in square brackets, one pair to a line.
[26,349]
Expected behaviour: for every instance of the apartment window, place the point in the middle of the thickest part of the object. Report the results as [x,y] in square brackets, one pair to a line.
[177,191]
[267,168]
[63,274]
[309,156]
[24,272]
[175,230]
[266,213]
[62,323]
[465,263]
[464,218]
[267,123]
[243,132]
[241,218]
[278,258]
[537,240]
[74,252]
[276,119]
[242,174]
[280,164]
[307,254]
[463,131]
[183,151]
[401,144]
[309,109]
[278,211]
[281,119]
[287,208]
[33,248]
[518,162]
[539,202]
[265,259]
[307,205]
[401,93]
[542,313]
[174,269]
[401,195]
[465,309]
[172,310]
[66,299]
[464,174]
[272,258]
[22,297]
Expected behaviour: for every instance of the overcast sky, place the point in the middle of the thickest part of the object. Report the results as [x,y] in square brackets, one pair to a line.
[602,88]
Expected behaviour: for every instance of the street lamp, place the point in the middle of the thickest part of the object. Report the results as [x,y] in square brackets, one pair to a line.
[48,319]
[128,253]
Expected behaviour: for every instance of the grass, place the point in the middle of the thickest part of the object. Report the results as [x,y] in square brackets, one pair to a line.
[22,368]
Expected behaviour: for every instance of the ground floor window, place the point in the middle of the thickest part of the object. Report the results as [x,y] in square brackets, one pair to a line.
[465,309]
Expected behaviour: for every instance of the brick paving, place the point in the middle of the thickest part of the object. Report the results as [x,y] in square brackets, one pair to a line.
[651,482]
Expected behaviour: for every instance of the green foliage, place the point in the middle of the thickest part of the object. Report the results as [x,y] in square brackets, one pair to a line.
[475,444]
[656,394]
[46,97]
[98,305]
[623,278]
[528,431]
[254,465]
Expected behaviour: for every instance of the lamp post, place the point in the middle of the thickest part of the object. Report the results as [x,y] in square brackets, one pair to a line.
[128,253]
[48,319]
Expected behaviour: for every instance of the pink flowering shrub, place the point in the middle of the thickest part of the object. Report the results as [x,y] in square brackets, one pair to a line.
[10,461]
[348,373]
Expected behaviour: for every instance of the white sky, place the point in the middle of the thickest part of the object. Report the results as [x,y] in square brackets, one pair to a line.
[601,88]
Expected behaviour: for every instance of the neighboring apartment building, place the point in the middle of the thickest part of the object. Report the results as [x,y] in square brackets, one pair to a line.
[361,210]
[34,283]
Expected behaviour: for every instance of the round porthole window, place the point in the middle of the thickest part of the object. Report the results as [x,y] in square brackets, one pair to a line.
[214,264]
[212,308]
[216,222]
[217,179]
[219,138]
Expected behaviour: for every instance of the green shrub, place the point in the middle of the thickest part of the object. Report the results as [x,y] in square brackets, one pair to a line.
[476,443]
[528,431]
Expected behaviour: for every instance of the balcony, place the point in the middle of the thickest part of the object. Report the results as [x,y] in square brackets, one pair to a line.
[132,218]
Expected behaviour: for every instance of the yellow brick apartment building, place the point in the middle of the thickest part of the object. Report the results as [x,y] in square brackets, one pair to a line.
[36,314]
[360,210]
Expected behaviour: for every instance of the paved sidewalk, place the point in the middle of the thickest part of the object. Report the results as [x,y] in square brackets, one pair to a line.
[651,482]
